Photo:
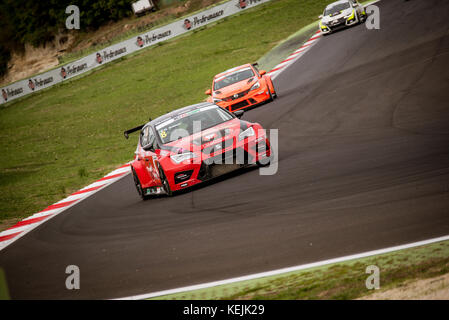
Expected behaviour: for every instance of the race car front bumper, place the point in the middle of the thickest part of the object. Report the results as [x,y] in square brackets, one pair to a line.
[339,23]
[229,158]
[246,99]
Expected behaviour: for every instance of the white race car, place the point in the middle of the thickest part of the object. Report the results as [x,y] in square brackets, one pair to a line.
[340,14]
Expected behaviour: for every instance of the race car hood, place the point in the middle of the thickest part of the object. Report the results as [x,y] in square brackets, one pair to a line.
[337,15]
[208,137]
[234,88]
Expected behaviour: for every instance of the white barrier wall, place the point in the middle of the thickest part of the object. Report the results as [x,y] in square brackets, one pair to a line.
[106,55]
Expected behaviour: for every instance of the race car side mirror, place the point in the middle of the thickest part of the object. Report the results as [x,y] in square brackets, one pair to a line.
[149,148]
[262,72]
[320,16]
[208,92]
[239,113]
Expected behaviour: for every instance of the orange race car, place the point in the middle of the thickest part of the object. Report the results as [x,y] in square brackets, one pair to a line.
[241,87]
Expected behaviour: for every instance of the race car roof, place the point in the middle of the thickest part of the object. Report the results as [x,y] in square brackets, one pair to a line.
[177,112]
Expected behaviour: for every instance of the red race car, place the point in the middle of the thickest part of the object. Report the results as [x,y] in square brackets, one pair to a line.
[241,87]
[194,144]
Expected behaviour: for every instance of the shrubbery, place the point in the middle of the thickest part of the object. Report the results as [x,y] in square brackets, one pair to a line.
[37,22]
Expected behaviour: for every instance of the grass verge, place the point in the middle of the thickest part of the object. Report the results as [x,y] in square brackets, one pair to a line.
[287,46]
[4,293]
[344,280]
[61,139]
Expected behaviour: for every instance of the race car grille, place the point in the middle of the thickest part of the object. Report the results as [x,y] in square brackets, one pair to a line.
[234,156]
[183,176]
[335,23]
[236,96]
[239,105]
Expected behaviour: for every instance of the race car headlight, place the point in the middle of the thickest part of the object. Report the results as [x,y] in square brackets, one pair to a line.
[247,133]
[255,86]
[216,100]
[178,158]
[350,16]
[324,25]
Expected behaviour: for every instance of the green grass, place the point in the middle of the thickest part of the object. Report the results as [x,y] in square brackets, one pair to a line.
[4,293]
[344,280]
[61,139]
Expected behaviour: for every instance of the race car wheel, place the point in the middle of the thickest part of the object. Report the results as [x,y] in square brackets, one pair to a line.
[165,183]
[265,163]
[272,95]
[138,185]
[362,18]
[275,94]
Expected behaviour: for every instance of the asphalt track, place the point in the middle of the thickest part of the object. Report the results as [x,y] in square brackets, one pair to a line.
[363,121]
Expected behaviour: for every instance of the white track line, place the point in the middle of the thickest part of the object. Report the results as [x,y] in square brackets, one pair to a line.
[285,270]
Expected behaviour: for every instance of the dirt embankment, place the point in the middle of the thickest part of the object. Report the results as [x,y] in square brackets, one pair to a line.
[36,60]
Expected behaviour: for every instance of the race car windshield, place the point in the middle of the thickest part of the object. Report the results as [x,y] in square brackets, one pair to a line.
[336,8]
[233,78]
[183,125]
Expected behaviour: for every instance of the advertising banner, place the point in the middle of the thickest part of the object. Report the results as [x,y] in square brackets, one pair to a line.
[116,51]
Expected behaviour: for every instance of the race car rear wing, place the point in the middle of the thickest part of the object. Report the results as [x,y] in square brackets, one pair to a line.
[138,128]
[127,132]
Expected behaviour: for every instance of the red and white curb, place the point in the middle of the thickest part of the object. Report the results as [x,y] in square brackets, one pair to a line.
[294,56]
[26,225]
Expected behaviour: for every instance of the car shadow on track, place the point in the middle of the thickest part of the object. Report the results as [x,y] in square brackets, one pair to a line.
[205,184]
